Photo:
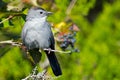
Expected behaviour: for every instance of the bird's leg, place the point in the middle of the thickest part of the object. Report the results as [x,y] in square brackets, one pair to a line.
[49,50]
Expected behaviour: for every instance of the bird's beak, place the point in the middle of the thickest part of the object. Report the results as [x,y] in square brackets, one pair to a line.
[49,13]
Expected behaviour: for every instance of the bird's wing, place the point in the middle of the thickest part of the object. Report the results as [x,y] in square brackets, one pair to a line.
[51,38]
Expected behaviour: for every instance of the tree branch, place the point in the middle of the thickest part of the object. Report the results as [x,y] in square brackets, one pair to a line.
[71,5]
[6,19]
[11,42]
[51,50]
[37,76]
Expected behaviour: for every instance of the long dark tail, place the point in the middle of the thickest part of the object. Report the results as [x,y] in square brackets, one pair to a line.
[54,63]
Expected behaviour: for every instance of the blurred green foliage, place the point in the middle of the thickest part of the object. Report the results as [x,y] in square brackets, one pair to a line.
[98,40]
[13,66]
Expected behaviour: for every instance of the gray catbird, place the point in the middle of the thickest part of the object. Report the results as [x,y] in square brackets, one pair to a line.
[37,34]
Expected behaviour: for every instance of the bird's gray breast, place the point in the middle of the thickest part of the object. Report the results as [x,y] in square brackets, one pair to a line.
[36,35]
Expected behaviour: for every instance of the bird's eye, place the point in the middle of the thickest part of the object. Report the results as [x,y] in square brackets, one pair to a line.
[41,12]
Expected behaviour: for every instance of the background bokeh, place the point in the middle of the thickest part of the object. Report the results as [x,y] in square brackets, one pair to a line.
[98,38]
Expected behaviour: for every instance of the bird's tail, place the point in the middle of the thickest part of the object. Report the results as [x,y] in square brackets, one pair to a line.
[54,63]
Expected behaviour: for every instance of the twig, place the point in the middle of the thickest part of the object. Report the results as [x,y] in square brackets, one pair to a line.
[11,42]
[71,5]
[6,19]
[57,51]
[39,76]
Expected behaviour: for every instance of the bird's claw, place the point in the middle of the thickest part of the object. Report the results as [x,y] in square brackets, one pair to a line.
[49,50]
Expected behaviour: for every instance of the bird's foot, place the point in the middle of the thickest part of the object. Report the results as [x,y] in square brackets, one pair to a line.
[49,50]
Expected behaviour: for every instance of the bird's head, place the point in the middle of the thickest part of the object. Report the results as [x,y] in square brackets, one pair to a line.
[36,12]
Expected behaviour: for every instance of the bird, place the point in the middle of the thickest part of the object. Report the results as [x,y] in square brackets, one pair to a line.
[37,34]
